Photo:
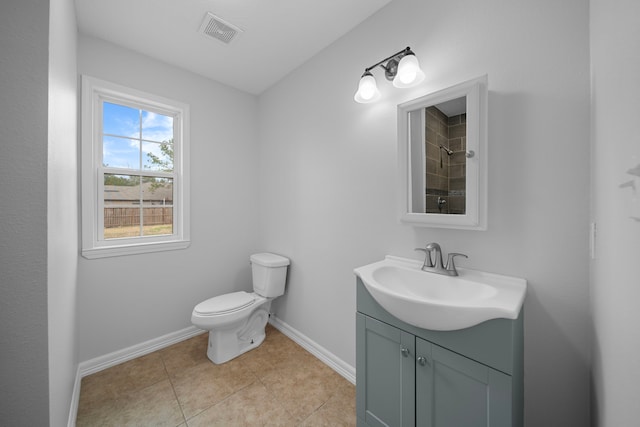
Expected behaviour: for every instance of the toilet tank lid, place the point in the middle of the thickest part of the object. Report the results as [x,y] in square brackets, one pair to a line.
[269,260]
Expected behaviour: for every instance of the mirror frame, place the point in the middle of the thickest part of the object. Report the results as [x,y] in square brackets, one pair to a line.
[475,217]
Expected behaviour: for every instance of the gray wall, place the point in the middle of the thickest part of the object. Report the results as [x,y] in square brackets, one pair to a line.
[615,280]
[24,43]
[328,188]
[62,215]
[124,301]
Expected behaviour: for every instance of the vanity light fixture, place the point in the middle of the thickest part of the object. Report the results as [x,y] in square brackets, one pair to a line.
[402,68]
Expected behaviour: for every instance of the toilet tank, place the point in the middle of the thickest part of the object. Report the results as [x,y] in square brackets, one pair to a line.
[269,273]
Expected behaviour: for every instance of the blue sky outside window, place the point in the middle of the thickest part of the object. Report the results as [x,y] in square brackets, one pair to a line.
[132,137]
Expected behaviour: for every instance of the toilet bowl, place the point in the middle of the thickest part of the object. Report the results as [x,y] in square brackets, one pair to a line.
[236,321]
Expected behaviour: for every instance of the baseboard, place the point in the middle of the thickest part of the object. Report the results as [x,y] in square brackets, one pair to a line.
[100,363]
[75,400]
[330,359]
[103,362]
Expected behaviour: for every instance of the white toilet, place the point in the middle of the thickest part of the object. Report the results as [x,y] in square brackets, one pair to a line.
[236,321]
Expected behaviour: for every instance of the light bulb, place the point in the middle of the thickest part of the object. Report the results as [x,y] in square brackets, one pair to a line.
[409,72]
[407,77]
[367,87]
[367,90]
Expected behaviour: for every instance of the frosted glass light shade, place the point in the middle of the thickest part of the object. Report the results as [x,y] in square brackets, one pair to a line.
[409,73]
[367,90]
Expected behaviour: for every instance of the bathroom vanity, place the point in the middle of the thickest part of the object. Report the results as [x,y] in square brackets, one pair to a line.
[410,376]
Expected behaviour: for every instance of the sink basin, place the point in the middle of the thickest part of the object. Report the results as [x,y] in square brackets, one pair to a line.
[438,302]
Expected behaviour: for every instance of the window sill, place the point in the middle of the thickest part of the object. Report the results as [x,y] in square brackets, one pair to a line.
[113,251]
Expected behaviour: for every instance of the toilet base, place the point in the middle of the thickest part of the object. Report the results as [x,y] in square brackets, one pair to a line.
[228,343]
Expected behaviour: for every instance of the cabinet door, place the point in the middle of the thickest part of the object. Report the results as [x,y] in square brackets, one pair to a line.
[385,374]
[454,391]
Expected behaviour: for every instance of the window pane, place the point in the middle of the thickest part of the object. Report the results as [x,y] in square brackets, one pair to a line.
[157,156]
[156,127]
[158,221]
[123,196]
[120,120]
[120,153]
[121,215]
[157,191]
[157,199]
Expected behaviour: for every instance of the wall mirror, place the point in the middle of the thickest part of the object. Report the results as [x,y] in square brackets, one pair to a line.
[442,157]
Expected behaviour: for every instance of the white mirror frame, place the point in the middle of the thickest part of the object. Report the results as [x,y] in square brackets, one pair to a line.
[475,217]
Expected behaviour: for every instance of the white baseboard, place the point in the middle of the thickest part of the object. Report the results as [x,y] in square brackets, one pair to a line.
[330,359]
[108,360]
[100,363]
[75,400]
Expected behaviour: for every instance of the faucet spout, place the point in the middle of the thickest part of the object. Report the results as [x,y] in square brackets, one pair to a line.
[435,248]
[434,264]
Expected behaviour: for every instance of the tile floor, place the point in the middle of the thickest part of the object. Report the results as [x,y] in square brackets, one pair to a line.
[276,384]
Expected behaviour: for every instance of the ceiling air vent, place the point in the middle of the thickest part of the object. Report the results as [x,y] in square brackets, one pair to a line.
[218,28]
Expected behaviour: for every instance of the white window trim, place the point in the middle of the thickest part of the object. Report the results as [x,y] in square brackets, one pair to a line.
[93,246]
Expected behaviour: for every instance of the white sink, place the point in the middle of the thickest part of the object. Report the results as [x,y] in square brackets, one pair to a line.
[438,302]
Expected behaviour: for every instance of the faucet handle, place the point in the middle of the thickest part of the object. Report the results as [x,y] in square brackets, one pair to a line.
[451,267]
[427,257]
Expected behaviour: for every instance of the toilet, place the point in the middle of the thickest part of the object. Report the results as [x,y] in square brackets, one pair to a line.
[236,321]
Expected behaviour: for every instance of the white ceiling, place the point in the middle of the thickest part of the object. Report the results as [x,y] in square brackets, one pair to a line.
[279,35]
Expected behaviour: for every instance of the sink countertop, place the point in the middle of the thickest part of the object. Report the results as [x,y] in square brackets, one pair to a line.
[440,302]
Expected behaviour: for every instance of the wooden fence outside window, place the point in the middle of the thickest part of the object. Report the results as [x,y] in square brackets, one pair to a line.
[122,217]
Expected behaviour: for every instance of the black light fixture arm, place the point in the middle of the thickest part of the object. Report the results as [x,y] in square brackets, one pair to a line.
[390,69]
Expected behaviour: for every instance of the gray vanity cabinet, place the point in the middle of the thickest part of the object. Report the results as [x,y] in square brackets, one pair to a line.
[452,390]
[407,376]
[386,376]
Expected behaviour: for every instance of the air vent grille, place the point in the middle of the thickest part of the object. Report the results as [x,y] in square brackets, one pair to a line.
[218,28]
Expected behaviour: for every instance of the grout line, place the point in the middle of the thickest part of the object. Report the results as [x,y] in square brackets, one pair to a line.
[315,411]
[220,401]
[173,388]
[275,400]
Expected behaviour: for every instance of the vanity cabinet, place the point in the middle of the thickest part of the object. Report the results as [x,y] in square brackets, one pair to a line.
[407,376]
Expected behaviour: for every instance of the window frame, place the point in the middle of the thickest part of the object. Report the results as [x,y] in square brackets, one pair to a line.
[94,93]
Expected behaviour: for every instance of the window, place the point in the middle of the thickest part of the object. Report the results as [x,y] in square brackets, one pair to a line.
[135,189]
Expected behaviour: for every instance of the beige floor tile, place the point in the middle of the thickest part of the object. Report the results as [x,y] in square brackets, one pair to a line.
[302,389]
[251,406]
[153,406]
[277,354]
[132,375]
[100,389]
[338,411]
[95,413]
[186,354]
[206,384]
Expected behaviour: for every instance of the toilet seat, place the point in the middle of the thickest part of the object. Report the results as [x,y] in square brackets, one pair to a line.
[227,310]
[225,304]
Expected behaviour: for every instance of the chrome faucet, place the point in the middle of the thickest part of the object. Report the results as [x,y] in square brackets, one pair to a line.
[436,265]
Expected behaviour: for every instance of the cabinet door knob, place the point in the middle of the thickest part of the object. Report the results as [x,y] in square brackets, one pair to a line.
[404,351]
[422,360]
